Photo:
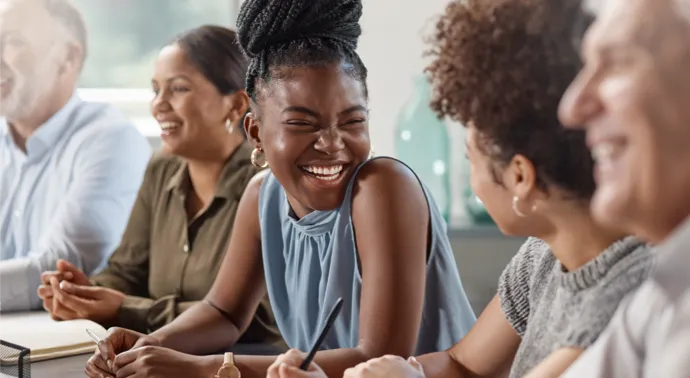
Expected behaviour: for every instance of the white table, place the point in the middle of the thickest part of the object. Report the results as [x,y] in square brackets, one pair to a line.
[71,367]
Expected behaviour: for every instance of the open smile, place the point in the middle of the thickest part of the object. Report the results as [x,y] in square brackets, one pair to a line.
[326,173]
[609,156]
[326,176]
[169,128]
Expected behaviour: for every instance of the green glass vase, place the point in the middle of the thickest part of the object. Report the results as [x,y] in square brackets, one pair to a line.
[421,141]
[474,207]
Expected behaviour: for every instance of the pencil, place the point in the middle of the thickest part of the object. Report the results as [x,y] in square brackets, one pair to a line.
[326,327]
[93,336]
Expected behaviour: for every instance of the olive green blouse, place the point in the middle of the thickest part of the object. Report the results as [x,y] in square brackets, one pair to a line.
[166,262]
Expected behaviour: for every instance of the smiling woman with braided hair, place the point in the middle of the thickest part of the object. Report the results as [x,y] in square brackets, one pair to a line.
[317,226]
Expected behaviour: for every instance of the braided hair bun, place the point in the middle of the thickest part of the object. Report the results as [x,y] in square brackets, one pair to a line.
[293,33]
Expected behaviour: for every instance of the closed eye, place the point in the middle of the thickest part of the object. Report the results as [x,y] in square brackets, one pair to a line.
[296,122]
[299,123]
[358,121]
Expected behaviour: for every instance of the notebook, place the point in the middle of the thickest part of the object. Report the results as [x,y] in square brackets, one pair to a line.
[46,338]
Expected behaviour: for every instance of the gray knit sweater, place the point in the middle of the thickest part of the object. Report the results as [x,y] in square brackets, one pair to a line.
[552,309]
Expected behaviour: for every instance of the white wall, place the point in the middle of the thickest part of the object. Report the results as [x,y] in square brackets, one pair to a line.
[391,47]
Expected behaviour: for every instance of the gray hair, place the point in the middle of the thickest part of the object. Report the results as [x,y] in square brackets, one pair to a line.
[66,14]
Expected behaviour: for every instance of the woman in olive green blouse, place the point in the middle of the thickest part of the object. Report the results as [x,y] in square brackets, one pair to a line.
[176,237]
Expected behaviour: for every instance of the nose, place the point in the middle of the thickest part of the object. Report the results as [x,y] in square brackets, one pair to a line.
[580,103]
[330,141]
[159,103]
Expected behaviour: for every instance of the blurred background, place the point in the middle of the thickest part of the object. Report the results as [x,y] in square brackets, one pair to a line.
[126,35]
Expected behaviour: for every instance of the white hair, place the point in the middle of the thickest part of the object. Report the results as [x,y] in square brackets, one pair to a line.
[68,17]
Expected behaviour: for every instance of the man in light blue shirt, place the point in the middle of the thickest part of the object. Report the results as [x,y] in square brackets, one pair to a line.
[69,170]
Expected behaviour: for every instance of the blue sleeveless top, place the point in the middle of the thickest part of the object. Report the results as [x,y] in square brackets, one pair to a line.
[312,261]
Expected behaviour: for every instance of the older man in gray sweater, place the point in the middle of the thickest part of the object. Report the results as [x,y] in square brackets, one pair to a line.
[633,96]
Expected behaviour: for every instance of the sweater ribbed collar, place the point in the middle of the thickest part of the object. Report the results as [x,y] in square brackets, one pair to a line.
[593,271]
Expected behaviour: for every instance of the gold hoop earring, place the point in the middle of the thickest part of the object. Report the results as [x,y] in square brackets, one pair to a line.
[229,126]
[255,158]
[515,208]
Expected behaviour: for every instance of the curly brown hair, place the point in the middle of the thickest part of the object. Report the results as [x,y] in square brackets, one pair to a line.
[502,66]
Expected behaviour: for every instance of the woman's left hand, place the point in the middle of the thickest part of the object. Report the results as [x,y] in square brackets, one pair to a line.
[287,366]
[387,366]
[99,304]
[159,362]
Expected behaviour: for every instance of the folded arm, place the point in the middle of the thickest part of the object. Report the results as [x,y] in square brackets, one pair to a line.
[145,314]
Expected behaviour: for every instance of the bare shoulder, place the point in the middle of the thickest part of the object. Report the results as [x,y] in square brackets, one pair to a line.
[254,185]
[388,177]
[387,193]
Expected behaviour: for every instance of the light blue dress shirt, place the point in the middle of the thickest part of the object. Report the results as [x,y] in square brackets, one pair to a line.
[68,197]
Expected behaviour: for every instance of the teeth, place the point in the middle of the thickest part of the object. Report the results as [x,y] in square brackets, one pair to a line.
[325,172]
[603,152]
[169,125]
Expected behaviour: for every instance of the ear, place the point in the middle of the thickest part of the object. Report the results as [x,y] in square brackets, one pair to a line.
[251,129]
[238,104]
[73,59]
[520,177]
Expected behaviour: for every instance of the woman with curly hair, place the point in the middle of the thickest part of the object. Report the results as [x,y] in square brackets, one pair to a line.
[500,67]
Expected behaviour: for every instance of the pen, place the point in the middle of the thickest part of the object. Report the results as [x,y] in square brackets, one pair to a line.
[326,327]
[93,336]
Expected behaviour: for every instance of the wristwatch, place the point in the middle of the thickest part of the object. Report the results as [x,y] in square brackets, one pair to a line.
[229,369]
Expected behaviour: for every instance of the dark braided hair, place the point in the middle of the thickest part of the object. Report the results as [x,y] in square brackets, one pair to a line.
[280,34]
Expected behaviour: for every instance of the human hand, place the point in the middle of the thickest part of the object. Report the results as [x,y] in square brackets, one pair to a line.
[160,362]
[65,272]
[72,274]
[95,303]
[117,341]
[387,366]
[287,366]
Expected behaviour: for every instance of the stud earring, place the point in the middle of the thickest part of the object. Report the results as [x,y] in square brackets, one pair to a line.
[256,155]
[229,126]
[371,153]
